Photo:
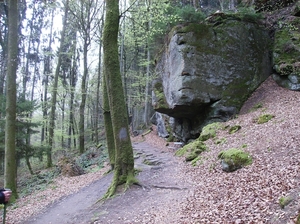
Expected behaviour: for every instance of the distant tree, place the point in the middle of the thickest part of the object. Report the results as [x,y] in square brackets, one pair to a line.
[55,86]
[124,161]
[10,172]
[48,55]
[85,13]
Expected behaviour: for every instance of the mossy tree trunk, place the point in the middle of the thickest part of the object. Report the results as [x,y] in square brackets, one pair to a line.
[124,162]
[109,133]
[10,168]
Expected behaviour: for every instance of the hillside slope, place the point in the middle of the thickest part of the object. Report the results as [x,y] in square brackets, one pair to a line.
[252,194]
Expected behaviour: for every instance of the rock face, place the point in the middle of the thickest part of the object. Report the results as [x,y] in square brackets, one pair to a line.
[208,70]
[286,52]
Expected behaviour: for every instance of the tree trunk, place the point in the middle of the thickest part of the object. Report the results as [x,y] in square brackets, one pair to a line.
[10,173]
[73,81]
[124,161]
[47,71]
[54,91]
[109,133]
[147,87]
[83,98]
[97,118]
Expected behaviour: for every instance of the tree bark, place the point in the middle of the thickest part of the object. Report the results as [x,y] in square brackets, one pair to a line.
[109,133]
[10,173]
[124,162]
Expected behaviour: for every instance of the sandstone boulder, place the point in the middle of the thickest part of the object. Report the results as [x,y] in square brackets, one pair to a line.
[207,70]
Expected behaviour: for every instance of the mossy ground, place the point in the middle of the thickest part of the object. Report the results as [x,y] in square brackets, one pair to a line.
[264,118]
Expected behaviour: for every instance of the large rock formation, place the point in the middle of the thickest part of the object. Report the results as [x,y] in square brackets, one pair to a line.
[208,70]
[286,52]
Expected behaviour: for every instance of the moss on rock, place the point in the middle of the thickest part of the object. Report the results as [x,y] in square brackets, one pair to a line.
[209,131]
[233,159]
[160,101]
[192,150]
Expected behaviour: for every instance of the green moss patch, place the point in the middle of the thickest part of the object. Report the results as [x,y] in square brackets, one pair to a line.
[234,129]
[264,118]
[284,201]
[161,101]
[192,150]
[209,131]
[220,141]
[233,159]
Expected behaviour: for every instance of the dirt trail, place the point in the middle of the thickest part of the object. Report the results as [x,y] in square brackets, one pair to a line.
[163,187]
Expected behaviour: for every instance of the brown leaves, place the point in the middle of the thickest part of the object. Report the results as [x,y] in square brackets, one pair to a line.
[252,193]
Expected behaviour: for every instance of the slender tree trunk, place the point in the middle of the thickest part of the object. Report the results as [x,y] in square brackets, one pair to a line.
[63,121]
[83,98]
[55,84]
[10,173]
[47,71]
[196,4]
[124,162]
[71,120]
[147,88]
[73,81]
[27,159]
[98,104]
[44,109]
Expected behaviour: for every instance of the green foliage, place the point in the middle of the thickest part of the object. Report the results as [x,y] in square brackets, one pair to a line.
[25,128]
[189,14]
[92,157]
[248,14]
[30,184]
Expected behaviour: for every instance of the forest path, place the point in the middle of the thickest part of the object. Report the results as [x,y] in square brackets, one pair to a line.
[163,186]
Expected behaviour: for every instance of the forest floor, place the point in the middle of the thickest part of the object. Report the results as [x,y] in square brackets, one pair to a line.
[173,191]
